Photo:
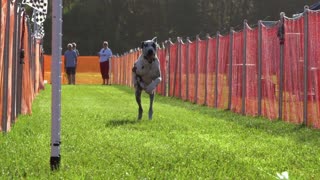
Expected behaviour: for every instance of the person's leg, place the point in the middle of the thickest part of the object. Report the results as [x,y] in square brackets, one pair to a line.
[69,78]
[103,72]
[107,72]
[74,76]
[69,75]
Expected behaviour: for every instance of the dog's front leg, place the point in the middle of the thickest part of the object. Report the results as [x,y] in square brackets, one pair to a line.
[138,99]
[151,105]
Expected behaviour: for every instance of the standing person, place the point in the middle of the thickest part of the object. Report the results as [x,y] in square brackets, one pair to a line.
[104,57]
[70,63]
[74,48]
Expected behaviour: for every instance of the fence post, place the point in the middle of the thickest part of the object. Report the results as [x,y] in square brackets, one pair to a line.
[163,91]
[20,59]
[6,71]
[259,65]
[244,69]
[187,65]
[306,65]
[166,91]
[180,60]
[56,84]
[281,39]
[197,71]
[230,67]
[176,66]
[14,65]
[207,66]
[169,65]
[217,69]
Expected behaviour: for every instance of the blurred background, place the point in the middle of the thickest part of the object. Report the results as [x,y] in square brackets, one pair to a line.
[125,23]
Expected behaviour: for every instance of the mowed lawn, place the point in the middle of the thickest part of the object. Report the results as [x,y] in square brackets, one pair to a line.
[101,139]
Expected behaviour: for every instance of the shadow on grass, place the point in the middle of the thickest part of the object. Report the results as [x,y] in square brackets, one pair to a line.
[116,123]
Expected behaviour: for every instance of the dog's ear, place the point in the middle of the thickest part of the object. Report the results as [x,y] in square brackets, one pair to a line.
[142,44]
[154,39]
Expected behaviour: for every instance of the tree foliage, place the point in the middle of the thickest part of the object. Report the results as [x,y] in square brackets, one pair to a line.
[125,23]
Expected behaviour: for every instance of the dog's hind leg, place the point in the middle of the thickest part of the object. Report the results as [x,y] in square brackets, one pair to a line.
[138,99]
[151,105]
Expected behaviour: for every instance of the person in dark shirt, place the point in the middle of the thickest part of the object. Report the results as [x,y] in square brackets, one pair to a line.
[70,63]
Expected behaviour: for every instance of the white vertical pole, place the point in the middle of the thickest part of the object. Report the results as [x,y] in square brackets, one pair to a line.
[56,84]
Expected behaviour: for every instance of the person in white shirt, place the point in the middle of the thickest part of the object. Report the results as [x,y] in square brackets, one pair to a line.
[104,56]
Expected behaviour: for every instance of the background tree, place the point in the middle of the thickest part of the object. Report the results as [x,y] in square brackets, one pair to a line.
[125,23]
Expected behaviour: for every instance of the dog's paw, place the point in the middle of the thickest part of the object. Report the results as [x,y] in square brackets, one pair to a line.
[149,89]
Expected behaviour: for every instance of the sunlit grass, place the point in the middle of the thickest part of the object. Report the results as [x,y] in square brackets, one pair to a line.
[101,138]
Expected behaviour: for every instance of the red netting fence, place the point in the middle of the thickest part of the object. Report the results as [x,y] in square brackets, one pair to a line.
[21,64]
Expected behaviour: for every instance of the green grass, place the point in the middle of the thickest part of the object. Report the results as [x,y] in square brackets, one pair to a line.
[101,139]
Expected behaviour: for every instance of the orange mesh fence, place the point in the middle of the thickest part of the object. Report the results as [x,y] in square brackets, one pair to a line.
[182,71]
[251,101]
[270,64]
[201,71]
[293,71]
[314,69]
[162,55]
[195,71]
[191,71]
[223,72]
[27,82]
[10,59]
[211,71]
[176,70]
[173,65]
[237,65]
[87,72]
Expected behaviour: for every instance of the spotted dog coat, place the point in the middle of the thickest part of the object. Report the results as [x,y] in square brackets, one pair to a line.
[146,74]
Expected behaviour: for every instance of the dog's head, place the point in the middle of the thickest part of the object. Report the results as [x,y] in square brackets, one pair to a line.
[149,49]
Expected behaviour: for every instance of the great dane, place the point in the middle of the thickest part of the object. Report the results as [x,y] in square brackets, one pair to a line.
[146,74]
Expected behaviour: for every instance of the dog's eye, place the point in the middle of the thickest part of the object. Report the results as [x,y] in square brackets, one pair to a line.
[154,45]
[145,45]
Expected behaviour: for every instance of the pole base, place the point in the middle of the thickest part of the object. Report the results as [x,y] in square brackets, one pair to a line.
[55,163]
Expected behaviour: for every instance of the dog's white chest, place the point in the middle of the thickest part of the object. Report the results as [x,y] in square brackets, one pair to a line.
[147,71]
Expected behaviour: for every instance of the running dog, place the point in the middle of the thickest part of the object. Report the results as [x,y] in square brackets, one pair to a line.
[146,74]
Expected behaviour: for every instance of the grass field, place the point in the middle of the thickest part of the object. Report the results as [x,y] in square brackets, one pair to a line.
[101,139]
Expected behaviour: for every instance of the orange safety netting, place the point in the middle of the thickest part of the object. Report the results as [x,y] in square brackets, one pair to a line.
[173,66]
[87,72]
[293,70]
[237,69]
[10,59]
[270,72]
[223,72]
[27,80]
[162,55]
[201,71]
[314,69]
[211,72]
[251,97]
[191,58]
